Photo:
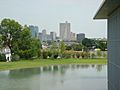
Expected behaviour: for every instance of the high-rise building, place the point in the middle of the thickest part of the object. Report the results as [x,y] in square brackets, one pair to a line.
[80,37]
[65,31]
[34,31]
[53,36]
[44,35]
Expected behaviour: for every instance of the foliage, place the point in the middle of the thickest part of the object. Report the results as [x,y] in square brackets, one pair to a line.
[13,28]
[93,55]
[19,41]
[99,54]
[77,47]
[68,47]
[62,47]
[67,54]
[89,43]
[15,57]
[45,54]
[78,54]
[102,45]
[55,54]
[2,57]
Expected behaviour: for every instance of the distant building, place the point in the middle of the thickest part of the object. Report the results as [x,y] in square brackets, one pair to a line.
[73,36]
[48,37]
[65,31]
[40,36]
[80,37]
[34,31]
[44,35]
[53,36]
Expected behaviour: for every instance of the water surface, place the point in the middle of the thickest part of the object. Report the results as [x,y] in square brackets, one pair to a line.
[58,77]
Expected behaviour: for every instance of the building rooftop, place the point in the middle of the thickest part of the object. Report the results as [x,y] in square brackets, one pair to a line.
[107,7]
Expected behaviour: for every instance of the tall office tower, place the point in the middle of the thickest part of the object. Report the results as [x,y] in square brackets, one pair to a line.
[53,36]
[65,31]
[73,36]
[44,35]
[34,31]
[80,37]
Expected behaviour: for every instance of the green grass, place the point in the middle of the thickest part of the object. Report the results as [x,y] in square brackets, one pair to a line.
[43,62]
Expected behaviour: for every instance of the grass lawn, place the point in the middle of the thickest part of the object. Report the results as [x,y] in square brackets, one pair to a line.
[42,62]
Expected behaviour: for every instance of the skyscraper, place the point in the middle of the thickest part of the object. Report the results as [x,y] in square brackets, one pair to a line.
[34,31]
[65,31]
[44,35]
[80,37]
[53,36]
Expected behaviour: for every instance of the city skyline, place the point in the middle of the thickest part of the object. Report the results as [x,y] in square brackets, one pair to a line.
[48,14]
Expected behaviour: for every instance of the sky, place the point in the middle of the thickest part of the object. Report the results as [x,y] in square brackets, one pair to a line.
[47,14]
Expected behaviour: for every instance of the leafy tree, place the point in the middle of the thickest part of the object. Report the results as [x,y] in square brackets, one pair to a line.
[28,47]
[77,47]
[18,38]
[62,47]
[10,28]
[102,45]
[88,42]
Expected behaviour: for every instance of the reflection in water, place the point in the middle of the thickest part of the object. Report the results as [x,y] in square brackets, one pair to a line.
[23,73]
[57,77]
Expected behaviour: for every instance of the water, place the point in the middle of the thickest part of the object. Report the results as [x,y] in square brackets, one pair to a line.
[61,77]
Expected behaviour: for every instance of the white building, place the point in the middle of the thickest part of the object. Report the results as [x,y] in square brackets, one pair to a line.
[65,31]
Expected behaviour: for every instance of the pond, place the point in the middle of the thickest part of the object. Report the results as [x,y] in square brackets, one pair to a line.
[57,77]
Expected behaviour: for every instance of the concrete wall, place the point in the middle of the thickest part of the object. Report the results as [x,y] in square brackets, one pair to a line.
[114,50]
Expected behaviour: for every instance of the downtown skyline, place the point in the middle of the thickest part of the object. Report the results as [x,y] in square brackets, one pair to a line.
[48,14]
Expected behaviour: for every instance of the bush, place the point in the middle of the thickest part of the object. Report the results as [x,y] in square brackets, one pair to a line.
[2,57]
[93,55]
[44,54]
[55,54]
[67,55]
[78,54]
[26,54]
[15,57]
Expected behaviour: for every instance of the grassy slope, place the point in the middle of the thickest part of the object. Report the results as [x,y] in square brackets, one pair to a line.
[37,63]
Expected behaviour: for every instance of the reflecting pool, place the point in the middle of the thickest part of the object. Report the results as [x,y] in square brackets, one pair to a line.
[57,77]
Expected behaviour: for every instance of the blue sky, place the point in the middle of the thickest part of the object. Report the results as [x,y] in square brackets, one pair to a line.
[47,14]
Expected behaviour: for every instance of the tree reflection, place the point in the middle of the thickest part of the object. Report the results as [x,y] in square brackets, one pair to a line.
[24,73]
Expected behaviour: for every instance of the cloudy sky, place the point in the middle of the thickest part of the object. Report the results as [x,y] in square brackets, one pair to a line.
[47,14]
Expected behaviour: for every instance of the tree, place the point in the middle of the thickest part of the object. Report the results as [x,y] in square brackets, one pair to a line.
[89,43]
[18,39]
[62,47]
[28,46]
[10,32]
[77,47]
[102,45]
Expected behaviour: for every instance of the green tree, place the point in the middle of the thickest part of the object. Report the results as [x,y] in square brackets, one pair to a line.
[10,32]
[102,45]
[77,47]
[62,48]
[88,43]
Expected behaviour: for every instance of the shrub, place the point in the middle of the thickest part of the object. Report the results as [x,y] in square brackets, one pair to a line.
[55,54]
[78,54]
[93,55]
[15,57]
[67,54]
[44,54]
[2,57]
